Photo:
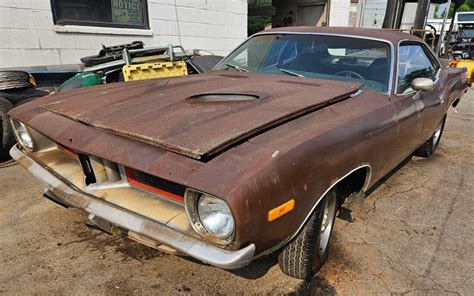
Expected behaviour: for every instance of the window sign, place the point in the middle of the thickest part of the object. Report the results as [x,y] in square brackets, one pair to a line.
[127,11]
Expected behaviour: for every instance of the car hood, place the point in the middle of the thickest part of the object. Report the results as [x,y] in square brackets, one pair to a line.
[199,115]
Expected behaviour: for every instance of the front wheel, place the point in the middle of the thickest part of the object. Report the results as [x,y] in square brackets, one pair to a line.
[429,147]
[303,257]
[6,135]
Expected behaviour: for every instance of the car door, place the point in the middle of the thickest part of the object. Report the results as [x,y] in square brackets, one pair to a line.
[426,65]
[434,101]
[409,104]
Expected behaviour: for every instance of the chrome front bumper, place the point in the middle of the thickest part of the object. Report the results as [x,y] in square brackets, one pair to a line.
[121,217]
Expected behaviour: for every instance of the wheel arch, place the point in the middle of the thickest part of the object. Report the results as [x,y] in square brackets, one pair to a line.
[352,179]
[456,102]
[355,181]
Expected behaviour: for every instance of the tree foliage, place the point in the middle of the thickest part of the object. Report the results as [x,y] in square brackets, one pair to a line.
[468,5]
[257,23]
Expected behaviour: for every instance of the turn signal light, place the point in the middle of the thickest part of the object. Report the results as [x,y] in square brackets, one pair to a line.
[281,210]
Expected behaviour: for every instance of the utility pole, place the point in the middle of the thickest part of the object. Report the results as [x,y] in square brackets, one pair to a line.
[421,15]
[457,4]
[441,34]
[390,14]
[399,16]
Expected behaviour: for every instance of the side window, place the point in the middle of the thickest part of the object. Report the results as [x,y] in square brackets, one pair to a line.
[413,62]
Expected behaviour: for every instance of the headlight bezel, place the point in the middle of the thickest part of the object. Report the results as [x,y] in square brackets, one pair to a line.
[192,197]
[19,129]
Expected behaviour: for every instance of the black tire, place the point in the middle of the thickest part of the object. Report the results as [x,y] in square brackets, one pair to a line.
[429,147]
[306,254]
[14,79]
[6,135]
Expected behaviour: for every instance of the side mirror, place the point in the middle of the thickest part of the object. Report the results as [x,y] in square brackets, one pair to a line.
[422,84]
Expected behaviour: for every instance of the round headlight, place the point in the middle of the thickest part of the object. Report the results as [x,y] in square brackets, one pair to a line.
[22,134]
[215,216]
[210,216]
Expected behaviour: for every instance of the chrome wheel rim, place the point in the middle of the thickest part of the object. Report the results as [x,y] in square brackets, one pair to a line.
[327,223]
[437,135]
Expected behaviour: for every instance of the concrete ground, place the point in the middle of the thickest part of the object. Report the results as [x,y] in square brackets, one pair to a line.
[414,235]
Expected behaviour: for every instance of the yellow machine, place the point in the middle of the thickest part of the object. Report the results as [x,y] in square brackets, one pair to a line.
[156,66]
[154,70]
[468,64]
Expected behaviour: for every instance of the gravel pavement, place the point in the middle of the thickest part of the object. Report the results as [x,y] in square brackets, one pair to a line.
[414,235]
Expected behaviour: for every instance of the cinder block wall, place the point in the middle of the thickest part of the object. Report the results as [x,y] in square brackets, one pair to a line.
[373,13]
[29,36]
[339,13]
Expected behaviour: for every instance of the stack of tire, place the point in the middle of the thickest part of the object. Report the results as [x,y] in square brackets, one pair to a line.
[16,87]
[6,139]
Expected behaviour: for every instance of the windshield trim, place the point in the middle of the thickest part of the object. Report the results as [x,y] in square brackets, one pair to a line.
[390,44]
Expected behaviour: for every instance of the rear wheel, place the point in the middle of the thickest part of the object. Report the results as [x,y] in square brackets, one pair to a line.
[429,147]
[6,136]
[304,256]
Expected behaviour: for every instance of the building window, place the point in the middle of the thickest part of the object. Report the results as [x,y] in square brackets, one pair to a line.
[101,13]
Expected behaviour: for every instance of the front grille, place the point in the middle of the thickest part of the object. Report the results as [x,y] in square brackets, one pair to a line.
[156,185]
[99,171]
[86,165]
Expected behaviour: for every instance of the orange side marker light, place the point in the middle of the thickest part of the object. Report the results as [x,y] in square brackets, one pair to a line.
[281,210]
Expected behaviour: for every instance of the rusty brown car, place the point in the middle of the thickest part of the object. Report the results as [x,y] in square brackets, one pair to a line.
[253,158]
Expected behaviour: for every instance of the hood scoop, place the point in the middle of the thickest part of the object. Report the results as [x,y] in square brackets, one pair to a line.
[227,97]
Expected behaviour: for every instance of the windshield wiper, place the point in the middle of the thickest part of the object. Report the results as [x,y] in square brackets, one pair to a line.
[291,73]
[238,68]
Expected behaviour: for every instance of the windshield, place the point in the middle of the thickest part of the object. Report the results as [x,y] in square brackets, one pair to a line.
[466,17]
[314,56]
[467,33]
